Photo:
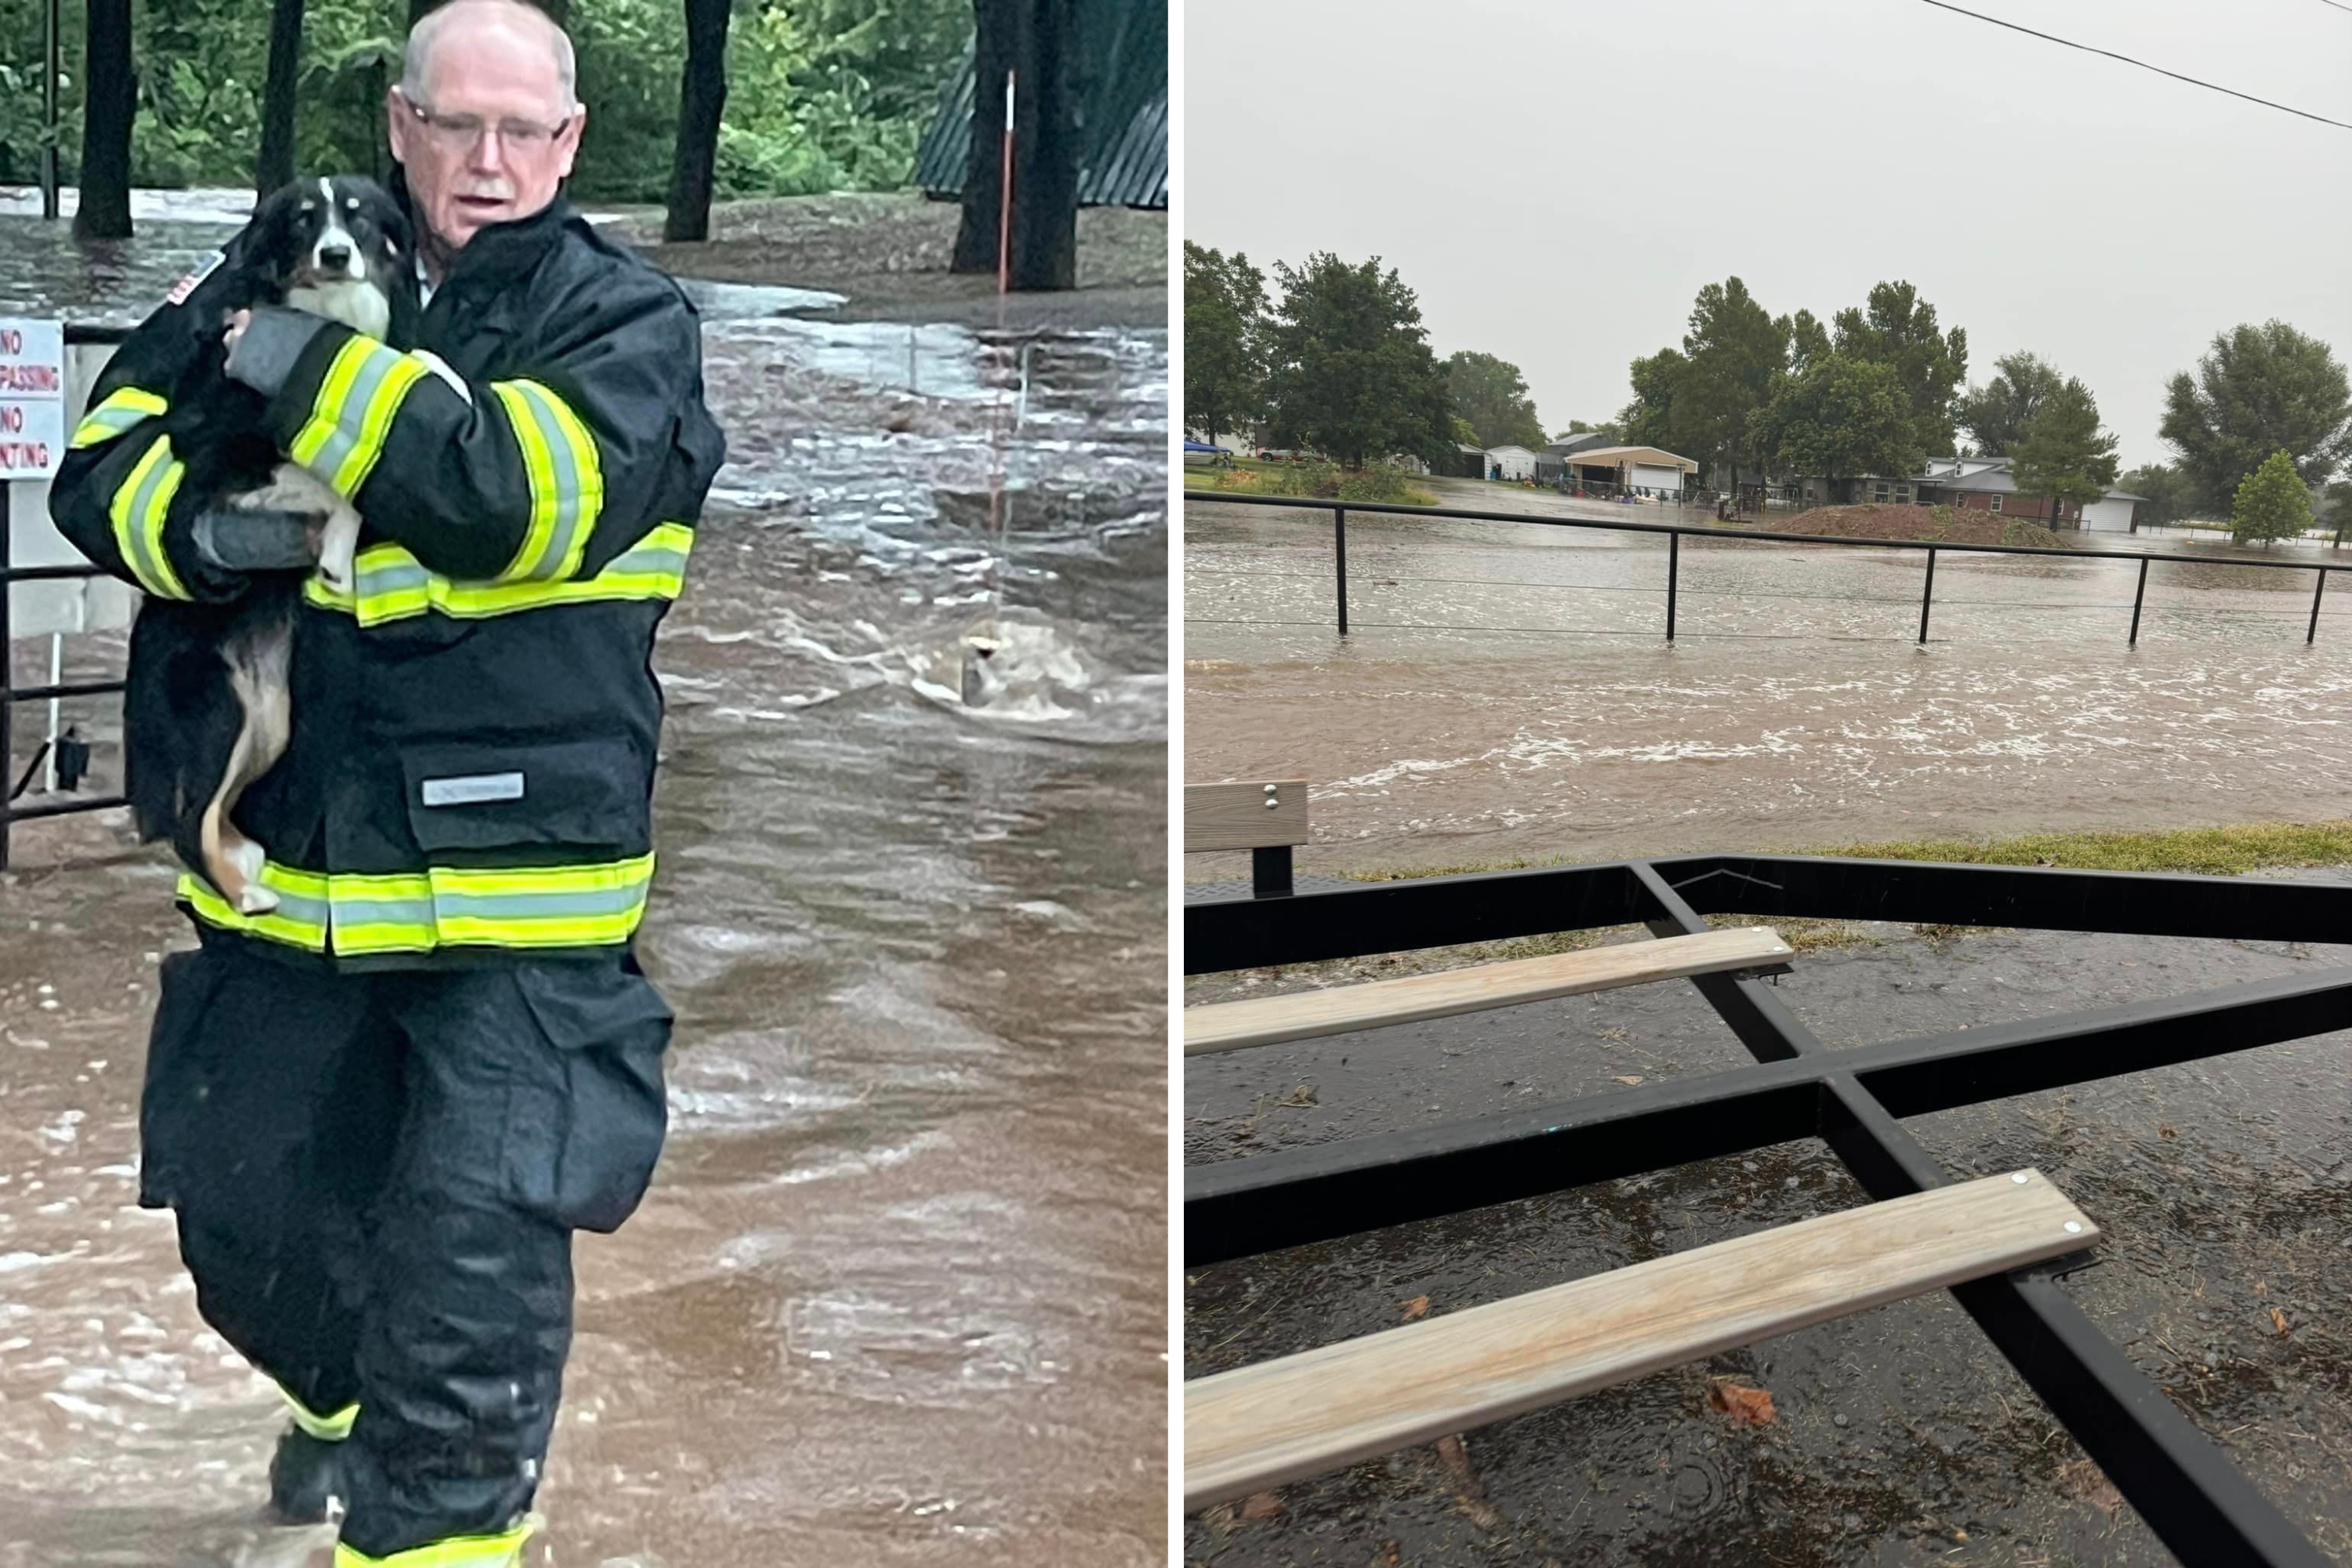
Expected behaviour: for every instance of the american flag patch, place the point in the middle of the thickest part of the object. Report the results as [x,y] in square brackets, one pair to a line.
[187,286]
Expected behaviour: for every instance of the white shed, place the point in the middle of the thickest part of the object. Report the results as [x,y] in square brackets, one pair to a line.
[2112,512]
[1516,462]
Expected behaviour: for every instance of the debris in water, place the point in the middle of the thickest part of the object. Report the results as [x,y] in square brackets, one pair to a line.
[2082,1481]
[1744,1405]
[2278,1321]
[1261,1505]
[1628,1079]
[1415,1307]
[1467,1490]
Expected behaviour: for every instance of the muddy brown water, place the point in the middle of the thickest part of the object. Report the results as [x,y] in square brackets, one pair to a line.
[1507,691]
[1792,711]
[898,1294]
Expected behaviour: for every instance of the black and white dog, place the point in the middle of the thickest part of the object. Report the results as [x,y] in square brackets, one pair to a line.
[208,709]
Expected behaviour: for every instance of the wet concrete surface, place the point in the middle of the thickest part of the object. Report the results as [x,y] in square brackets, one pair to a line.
[1508,691]
[898,1294]
[2223,1189]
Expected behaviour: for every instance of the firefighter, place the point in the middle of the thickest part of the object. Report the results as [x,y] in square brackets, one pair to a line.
[380,1109]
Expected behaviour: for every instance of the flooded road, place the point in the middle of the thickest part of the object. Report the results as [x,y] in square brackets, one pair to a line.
[1508,691]
[898,1294]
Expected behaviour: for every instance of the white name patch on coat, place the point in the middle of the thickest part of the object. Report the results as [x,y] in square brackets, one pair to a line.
[473,789]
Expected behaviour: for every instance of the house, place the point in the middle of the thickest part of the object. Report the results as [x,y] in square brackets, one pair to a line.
[1513,463]
[1978,483]
[1644,471]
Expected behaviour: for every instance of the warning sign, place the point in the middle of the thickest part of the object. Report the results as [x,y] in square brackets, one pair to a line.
[32,398]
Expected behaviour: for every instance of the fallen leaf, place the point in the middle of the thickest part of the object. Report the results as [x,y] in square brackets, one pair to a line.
[1750,1406]
[1467,1491]
[1415,1307]
[2166,1133]
[1630,1078]
[1303,1094]
[1261,1505]
[2085,1482]
[2278,1320]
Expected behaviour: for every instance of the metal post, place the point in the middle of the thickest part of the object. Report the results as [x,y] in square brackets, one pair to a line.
[56,705]
[1339,544]
[7,678]
[1674,570]
[2136,598]
[2317,594]
[1927,597]
[52,55]
[1270,870]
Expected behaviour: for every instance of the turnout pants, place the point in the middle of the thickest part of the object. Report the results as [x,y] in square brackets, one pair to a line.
[376,1179]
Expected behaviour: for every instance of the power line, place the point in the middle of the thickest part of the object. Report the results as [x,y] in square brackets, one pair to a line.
[2126,59]
[2337,4]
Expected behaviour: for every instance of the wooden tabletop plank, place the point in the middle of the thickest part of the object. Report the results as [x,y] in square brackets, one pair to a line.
[1260,1427]
[1264,1020]
[1237,815]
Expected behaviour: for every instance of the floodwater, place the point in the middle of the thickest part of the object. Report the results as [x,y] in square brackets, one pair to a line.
[2223,1190]
[898,1294]
[1507,690]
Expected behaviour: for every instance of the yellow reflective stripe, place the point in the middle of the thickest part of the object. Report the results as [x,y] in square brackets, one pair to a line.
[537,907]
[299,920]
[457,1551]
[326,1428]
[565,477]
[392,584]
[125,408]
[352,413]
[138,510]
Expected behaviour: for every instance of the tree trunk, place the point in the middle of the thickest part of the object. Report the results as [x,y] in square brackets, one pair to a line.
[702,94]
[1035,41]
[110,99]
[274,166]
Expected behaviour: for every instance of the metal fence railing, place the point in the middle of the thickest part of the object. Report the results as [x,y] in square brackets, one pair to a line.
[1676,533]
[1855,1098]
[11,694]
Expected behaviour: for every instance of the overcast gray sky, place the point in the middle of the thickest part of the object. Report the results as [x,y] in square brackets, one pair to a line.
[1557,180]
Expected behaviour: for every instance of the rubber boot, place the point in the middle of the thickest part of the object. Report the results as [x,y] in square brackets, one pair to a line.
[305,1478]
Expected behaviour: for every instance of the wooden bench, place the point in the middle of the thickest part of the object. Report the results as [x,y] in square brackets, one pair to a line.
[1264,1020]
[1265,817]
[1260,1427]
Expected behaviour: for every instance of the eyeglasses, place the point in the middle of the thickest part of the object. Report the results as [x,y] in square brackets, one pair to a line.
[464,132]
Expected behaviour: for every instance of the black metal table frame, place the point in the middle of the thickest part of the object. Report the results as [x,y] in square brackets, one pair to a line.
[2196,1500]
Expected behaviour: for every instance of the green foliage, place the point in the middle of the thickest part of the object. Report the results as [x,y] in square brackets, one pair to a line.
[2064,455]
[1224,353]
[2171,496]
[2258,390]
[1613,433]
[1349,368]
[1735,355]
[1651,419]
[1898,329]
[1382,483]
[2272,503]
[822,94]
[1842,418]
[1493,396]
[2026,531]
[1943,516]
[1997,415]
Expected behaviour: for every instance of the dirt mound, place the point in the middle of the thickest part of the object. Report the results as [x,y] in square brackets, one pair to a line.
[1956,527]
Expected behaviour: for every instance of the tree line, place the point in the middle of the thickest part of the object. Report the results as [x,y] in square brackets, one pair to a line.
[1339,360]
[690,100]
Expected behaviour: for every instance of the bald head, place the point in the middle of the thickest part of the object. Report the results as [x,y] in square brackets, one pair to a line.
[485,122]
[464,25]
